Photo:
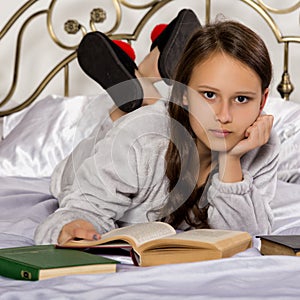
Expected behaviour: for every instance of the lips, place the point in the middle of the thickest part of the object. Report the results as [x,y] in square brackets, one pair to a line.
[221,133]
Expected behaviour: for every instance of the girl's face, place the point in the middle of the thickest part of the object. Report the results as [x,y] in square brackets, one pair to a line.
[224,98]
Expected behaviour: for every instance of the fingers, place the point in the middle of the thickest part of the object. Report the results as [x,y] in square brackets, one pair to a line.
[259,132]
[256,135]
[78,229]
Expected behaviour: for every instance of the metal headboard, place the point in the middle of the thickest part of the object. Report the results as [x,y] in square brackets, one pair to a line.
[98,15]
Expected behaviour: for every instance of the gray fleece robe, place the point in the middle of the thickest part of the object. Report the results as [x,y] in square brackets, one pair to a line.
[117,178]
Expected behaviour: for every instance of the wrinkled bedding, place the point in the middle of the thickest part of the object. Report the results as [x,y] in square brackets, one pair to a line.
[25,202]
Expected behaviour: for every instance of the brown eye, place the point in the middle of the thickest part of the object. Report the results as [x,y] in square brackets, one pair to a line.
[241,99]
[209,95]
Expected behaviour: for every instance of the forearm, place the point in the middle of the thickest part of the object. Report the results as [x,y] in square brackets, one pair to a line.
[245,204]
[239,206]
[230,169]
[49,231]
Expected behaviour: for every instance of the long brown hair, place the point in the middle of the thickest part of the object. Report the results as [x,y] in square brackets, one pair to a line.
[241,43]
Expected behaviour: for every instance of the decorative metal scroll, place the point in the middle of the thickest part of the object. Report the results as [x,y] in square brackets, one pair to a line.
[285,87]
[99,15]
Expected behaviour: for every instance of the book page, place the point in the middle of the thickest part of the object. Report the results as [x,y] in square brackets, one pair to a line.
[205,235]
[143,232]
[223,240]
[204,238]
[133,235]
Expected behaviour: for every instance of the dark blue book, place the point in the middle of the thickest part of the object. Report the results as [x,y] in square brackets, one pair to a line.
[280,244]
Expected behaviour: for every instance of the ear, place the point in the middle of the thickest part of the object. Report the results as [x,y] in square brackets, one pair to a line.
[264,99]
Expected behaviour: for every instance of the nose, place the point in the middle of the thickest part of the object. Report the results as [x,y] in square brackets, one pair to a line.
[223,112]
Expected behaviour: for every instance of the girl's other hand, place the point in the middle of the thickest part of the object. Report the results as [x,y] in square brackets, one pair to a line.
[78,229]
[256,135]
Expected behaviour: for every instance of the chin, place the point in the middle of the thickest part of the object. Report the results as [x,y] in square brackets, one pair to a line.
[220,147]
[223,145]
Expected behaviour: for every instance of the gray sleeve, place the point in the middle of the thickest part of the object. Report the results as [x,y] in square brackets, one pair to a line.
[245,205]
[102,189]
[116,180]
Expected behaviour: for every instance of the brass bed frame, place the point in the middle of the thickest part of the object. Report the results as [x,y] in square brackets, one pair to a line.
[98,15]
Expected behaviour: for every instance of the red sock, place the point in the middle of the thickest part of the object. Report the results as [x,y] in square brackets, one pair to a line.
[157,30]
[126,48]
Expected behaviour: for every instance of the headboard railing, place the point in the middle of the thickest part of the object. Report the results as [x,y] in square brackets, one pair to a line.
[285,87]
[98,15]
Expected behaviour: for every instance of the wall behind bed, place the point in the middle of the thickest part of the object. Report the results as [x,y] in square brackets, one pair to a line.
[39,54]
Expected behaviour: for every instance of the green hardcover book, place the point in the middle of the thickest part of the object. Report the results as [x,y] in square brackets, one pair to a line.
[46,261]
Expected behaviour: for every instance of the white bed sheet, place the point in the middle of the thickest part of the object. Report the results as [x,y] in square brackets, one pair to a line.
[25,202]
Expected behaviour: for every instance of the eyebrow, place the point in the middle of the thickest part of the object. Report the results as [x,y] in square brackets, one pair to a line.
[237,92]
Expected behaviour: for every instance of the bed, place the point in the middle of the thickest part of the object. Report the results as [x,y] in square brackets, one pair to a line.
[39,130]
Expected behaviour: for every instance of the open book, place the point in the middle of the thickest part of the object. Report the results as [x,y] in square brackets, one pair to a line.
[157,243]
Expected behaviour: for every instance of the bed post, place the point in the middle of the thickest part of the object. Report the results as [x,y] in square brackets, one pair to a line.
[207,11]
[285,87]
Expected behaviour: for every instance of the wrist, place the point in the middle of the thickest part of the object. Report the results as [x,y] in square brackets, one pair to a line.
[230,169]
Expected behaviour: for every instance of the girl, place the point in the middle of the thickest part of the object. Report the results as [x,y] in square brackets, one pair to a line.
[209,159]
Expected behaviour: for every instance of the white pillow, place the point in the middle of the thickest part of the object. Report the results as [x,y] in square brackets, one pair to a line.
[287,125]
[286,116]
[286,208]
[11,121]
[39,138]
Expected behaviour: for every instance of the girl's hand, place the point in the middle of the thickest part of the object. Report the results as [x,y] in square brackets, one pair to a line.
[256,135]
[78,229]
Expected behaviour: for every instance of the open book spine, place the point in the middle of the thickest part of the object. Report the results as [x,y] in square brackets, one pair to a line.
[135,257]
